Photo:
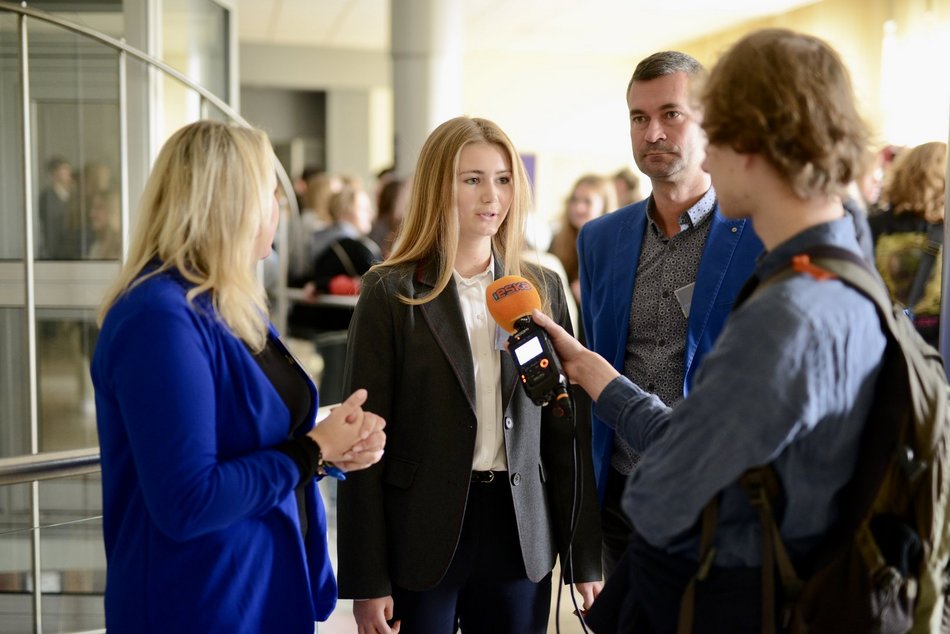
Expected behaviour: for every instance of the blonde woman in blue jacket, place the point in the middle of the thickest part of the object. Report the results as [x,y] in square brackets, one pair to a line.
[211,517]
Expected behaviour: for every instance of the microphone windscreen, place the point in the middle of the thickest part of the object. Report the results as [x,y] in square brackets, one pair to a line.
[510,298]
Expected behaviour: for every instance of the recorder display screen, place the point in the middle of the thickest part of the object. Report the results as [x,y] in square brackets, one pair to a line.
[528,350]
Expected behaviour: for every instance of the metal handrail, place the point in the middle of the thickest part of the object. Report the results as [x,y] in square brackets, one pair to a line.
[63,464]
[207,96]
[48,465]
[122,46]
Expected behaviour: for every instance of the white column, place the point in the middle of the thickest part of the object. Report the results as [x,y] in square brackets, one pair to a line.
[349,134]
[427,72]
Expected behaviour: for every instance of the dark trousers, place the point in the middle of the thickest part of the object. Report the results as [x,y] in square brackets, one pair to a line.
[643,596]
[617,529]
[486,589]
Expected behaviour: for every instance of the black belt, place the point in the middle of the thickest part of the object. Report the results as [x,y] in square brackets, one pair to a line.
[486,477]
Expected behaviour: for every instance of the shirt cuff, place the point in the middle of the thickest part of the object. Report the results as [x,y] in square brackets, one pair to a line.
[615,398]
[305,453]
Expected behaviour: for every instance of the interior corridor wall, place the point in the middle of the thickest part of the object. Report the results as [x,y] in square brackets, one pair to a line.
[569,111]
[857,28]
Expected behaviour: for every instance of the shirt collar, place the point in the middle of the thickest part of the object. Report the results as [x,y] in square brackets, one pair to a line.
[478,278]
[693,216]
[838,233]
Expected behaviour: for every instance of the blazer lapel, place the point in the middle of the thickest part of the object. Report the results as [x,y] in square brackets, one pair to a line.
[627,245]
[509,374]
[720,246]
[444,319]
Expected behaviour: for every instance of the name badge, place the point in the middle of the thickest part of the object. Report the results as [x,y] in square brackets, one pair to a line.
[684,295]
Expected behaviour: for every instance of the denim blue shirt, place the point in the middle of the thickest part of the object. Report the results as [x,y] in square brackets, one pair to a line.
[790,380]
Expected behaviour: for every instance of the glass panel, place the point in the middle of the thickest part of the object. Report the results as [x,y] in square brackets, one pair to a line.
[75,114]
[11,146]
[65,342]
[72,554]
[211,111]
[16,604]
[195,42]
[14,394]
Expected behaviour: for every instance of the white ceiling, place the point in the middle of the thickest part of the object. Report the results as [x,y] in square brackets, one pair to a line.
[593,27]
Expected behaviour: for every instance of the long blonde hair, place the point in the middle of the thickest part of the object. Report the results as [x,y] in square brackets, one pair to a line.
[204,205]
[430,228]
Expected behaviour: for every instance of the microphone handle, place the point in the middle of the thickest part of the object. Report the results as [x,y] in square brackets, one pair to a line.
[563,405]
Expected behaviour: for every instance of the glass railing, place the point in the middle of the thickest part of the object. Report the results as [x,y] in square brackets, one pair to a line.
[51,543]
[52,561]
[69,89]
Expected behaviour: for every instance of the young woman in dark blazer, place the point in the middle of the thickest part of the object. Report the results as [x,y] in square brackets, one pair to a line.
[460,525]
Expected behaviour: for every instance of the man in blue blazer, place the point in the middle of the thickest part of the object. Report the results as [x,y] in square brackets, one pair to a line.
[658,277]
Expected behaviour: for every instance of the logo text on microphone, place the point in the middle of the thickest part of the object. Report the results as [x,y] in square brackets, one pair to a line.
[511,289]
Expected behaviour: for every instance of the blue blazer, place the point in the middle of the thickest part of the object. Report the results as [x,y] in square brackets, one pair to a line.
[609,252]
[200,519]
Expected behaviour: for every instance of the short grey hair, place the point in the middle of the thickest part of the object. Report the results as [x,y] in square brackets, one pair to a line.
[665,63]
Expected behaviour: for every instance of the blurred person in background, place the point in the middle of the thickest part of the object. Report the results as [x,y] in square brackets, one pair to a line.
[104,226]
[54,208]
[314,217]
[627,186]
[391,206]
[591,197]
[300,183]
[908,234]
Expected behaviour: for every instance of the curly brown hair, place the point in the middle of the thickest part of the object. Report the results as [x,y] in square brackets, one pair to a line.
[788,97]
[917,182]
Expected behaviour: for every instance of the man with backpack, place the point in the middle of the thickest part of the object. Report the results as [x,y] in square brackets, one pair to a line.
[792,383]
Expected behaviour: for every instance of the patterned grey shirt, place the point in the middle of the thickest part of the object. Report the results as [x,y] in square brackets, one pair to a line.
[656,341]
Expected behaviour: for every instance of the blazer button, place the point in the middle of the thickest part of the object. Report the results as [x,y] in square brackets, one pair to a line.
[516,479]
[508,422]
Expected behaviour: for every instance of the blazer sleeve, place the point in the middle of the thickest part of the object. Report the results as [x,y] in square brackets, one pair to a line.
[160,375]
[361,523]
[566,451]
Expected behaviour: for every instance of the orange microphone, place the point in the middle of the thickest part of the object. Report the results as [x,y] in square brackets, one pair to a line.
[510,301]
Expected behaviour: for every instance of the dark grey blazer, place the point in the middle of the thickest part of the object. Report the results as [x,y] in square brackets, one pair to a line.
[400,520]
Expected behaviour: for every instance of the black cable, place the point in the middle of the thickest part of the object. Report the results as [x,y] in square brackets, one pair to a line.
[576,500]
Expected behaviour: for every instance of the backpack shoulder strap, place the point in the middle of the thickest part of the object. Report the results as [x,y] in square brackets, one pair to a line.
[344,259]
[848,266]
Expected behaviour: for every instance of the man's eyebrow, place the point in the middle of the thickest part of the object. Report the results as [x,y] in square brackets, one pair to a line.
[667,106]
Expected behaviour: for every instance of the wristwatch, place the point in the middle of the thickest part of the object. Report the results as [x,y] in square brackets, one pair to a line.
[325,467]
